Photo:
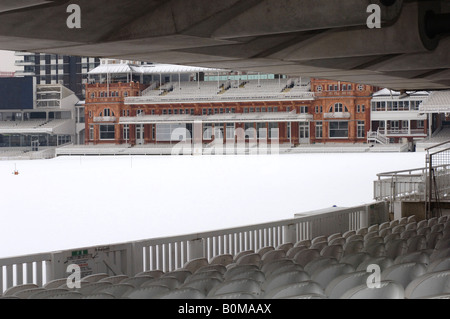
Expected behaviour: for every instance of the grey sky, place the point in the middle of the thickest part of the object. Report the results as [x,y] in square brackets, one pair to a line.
[7,61]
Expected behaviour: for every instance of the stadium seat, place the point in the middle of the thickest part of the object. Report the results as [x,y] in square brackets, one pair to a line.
[295,289]
[235,296]
[355,237]
[385,232]
[319,246]
[442,244]
[294,250]
[384,225]
[242,253]
[273,255]
[437,228]
[305,256]
[114,279]
[212,267]
[395,248]
[355,259]
[13,290]
[348,233]
[286,247]
[416,243]
[117,290]
[337,241]
[204,274]
[232,271]
[325,274]
[432,221]
[335,251]
[373,228]
[234,286]
[24,294]
[95,277]
[433,238]
[421,224]
[343,283]
[411,226]
[184,293]
[195,264]
[429,284]
[204,285]
[391,237]
[305,242]
[353,247]
[264,250]
[407,234]
[375,250]
[399,229]
[152,273]
[180,274]
[56,283]
[424,231]
[66,295]
[416,257]
[318,262]
[334,236]
[90,287]
[249,259]
[101,296]
[383,261]
[47,293]
[284,278]
[440,264]
[387,290]
[151,292]
[137,281]
[319,239]
[169,282]
[373,240]
[362,231]
[371,235]
[438,254]
[403,273]
[256,275]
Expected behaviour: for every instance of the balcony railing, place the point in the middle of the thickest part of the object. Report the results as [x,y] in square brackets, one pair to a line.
[105,119]
[402,132]
[337,115]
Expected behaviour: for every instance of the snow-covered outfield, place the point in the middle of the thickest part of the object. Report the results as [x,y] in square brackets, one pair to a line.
[71,202]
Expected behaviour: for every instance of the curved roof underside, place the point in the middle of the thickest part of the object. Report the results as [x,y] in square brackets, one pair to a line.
[313,38]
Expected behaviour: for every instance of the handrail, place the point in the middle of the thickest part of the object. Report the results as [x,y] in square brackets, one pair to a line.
[170,253]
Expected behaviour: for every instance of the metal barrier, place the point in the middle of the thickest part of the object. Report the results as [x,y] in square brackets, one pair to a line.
[171,253]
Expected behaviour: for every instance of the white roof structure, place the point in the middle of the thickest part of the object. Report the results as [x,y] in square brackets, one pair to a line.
[149,69]
[396,94]
[217,118]
[437,102]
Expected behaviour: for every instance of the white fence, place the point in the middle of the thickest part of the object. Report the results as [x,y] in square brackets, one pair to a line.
[171,253]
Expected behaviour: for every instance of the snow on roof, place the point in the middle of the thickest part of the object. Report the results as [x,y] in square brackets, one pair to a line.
[149,69]
[437,102]
[388,92]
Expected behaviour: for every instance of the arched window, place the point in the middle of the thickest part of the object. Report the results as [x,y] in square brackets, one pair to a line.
[338,108]
[107,112]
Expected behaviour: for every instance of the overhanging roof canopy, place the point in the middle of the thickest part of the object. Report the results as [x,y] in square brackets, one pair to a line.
[311,38]
[437,102]
[149,69]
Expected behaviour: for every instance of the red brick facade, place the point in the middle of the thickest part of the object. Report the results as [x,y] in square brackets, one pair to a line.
[339,107]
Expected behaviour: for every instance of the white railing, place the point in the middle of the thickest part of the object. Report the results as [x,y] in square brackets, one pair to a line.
[401,185]
[377,137]
[217,97]
[168,254]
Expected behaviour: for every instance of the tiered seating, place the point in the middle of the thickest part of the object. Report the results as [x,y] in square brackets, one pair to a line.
[413,258]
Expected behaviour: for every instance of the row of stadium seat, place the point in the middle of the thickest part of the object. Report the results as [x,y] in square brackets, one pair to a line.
[412,259]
